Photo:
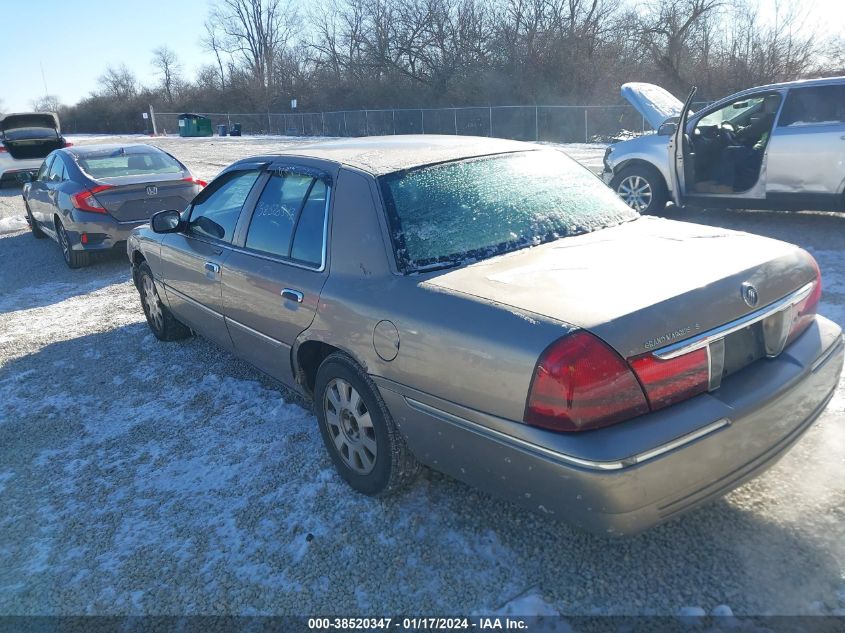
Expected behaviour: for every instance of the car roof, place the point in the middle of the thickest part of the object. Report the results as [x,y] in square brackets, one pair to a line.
[380,155]
[81,151]
[801,83]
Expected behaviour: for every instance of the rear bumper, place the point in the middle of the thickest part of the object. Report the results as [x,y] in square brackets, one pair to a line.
[613,482]
[103,232]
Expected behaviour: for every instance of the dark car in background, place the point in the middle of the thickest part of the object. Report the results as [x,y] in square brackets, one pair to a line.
[26,138]
[89,198]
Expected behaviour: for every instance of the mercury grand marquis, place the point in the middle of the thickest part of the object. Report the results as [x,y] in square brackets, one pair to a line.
[492,310]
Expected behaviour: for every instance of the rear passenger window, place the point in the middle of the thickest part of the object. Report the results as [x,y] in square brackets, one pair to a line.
[289,218]
[57,170]
[216,213]
[308,242]
[808,106]
[275,214]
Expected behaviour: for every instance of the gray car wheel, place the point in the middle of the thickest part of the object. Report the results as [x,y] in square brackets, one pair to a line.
[161,321]
[358,431]
[642,188]
[74,259]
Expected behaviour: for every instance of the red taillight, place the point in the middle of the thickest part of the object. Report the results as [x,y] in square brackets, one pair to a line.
[669,381]
[196,181]
[3,149]
[805,311]
[85,200]
[580,383]
[68,144]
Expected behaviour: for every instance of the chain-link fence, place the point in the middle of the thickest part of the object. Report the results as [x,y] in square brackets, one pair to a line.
[561,124]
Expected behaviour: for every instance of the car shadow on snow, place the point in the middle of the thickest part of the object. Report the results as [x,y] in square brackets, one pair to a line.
[34,273]
[184,463]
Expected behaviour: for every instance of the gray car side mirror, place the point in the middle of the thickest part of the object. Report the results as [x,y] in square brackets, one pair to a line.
[166,222]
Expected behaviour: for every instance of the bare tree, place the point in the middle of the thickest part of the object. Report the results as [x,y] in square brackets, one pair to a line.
[119,83]
[257,32]
[2,108]
[212,41]
[667,30]
[47,103]
[168,68]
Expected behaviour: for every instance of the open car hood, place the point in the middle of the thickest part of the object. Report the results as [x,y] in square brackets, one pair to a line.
[653,102]
[49,120]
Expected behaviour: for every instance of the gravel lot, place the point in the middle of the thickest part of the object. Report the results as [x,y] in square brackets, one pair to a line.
[145,478]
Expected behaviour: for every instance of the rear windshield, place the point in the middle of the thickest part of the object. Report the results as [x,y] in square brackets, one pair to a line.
[128,164]
[444,215]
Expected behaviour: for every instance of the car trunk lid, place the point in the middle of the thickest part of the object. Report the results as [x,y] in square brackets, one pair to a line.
[131,199]
[654,103]
[31,135]
[643,285]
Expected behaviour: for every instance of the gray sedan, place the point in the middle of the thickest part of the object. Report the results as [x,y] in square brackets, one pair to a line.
[491,310]
[90,197]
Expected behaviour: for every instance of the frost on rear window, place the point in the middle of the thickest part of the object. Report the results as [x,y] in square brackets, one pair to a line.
[444,215]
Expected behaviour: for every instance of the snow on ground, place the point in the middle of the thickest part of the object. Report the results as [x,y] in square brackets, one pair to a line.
[143,477]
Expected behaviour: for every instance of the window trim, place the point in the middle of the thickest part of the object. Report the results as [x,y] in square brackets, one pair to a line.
[316,174]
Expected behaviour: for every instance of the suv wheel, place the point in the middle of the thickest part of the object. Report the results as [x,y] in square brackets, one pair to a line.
[358,430]
[161,321]
[74,259]
[642,188]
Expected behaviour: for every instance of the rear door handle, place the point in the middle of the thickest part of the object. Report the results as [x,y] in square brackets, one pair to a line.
[292,295]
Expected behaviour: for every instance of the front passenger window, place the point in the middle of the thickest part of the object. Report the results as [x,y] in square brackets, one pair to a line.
[216,213]
[45,169]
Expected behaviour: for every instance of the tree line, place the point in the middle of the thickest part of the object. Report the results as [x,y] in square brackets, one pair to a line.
[352,54]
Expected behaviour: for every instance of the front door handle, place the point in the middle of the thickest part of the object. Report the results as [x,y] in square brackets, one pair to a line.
[292,295]
[212,268]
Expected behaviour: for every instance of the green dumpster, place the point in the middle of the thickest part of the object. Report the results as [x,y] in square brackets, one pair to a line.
[194,125]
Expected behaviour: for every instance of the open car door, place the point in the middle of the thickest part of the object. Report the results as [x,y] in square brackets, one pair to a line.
[680,154]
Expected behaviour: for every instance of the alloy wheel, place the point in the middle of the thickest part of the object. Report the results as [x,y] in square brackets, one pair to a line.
[152,303]
[636,192]
[350,426]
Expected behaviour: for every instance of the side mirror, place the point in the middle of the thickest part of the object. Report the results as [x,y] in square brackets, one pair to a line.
[24,177]
[166,222]
[667,129]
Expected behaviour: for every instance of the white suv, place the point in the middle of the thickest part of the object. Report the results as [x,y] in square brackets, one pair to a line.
[774,147]
[25,140]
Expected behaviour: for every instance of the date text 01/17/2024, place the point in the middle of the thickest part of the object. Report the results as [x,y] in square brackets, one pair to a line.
[418,624]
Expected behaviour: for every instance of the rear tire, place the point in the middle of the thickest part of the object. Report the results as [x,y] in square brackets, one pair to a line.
[642,188]
[359,433]
[74,259]
[161,321]
[37,233]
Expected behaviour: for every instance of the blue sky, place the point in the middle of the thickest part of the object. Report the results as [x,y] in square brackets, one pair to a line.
[76,40]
